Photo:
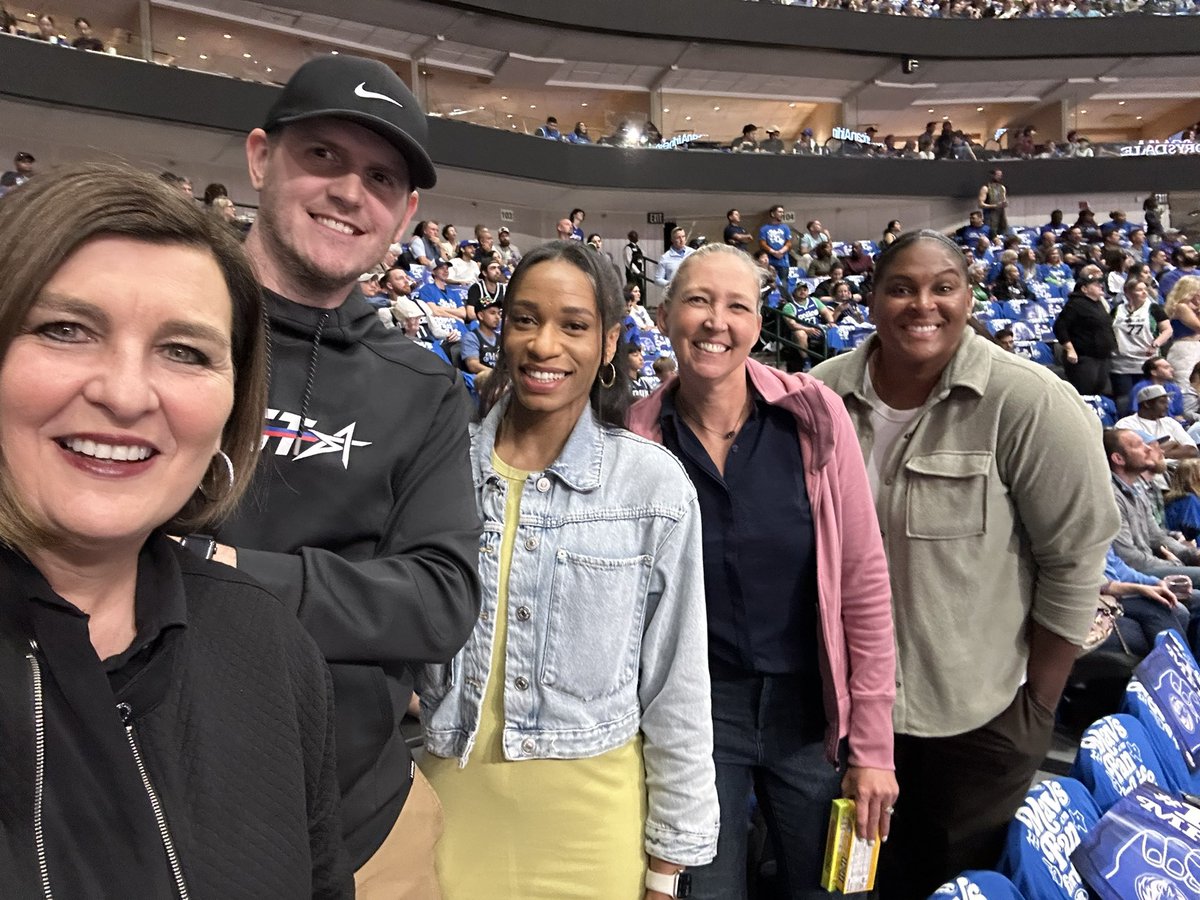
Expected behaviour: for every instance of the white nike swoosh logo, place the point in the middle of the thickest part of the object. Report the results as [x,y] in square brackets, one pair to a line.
[361,91]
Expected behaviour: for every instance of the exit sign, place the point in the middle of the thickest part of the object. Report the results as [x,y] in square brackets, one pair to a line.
[655,218]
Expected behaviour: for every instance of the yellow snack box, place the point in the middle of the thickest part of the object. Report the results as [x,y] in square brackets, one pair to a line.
[849,861]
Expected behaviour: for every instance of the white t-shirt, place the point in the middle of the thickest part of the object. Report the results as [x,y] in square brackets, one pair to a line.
[887,424]
[1164,427]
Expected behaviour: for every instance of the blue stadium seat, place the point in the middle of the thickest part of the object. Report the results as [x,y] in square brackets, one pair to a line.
[978,884]
[1115,756]
[1139,704]
[1048,826]
[1103,407]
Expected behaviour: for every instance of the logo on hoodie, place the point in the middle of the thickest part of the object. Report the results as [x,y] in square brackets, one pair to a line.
[301,443]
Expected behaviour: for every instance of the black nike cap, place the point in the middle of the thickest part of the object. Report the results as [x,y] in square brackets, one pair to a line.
[365,92]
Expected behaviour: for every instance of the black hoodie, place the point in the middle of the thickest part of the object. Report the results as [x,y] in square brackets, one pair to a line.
[366,527]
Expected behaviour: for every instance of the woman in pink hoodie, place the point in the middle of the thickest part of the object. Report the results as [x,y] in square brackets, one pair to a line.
[801,648]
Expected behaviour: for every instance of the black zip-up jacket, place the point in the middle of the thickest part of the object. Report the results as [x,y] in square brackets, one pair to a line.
[366,527]
[1086,325]
[229,711]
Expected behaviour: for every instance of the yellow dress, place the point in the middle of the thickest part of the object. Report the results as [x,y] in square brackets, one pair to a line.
[558,829]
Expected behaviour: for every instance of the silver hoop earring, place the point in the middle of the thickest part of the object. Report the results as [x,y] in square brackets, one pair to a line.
[612,375]
[224,457]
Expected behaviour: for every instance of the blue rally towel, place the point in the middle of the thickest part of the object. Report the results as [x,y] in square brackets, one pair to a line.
[978,885]
[1147,847]
[1169,684]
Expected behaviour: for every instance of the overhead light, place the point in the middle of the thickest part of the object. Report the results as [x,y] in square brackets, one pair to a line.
[716,109]
[205,56]
[31,15]
[1120,103]
[481,107]
[514,126]
[333,52]
[227,36]
[583,104]
[180,37]
[1139,118]
[979,109]
[791,106]
[268,68]
[1083,112]
[503,97]
[687,118]
[533,106]
[945,118]
[440,37]
[247,55]
[509,115]
[666,109]
[931,110]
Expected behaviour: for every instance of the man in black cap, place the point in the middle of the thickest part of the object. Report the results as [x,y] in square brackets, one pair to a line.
[363,520]
[21,172]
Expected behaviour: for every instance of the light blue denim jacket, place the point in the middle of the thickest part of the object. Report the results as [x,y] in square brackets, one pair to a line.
[607,633]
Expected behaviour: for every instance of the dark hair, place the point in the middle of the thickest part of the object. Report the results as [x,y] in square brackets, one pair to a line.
[571,216]
[1002,333]
[213,191]
[628,348]
[630,287]
[608,403]
[79,19]
[632,237]
[1195,373]
[888,257]
[1112,442]
[891,224]
[731,212]
[446,230]
[1148,365]
[50,218]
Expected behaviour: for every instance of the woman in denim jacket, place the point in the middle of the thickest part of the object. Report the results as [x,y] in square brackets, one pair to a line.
[571,739]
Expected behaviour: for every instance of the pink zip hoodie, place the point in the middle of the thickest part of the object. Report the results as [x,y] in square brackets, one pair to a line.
[858,654]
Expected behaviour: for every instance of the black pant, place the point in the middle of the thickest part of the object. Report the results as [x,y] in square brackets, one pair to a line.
[957,797]
[1089,375]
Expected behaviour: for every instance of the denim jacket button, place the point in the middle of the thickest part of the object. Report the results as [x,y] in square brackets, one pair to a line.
[528,746]
[521,682]
[543,484]
[523,613]
[531,543]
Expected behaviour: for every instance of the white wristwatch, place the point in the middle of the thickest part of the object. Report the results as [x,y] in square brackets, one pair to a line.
[677,885]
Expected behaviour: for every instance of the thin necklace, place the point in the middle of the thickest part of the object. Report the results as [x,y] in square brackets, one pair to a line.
[724,435]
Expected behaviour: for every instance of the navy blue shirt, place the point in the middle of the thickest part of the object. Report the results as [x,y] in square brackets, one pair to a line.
[760,552]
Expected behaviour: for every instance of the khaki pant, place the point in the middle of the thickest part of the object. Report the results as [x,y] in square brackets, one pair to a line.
[404,868]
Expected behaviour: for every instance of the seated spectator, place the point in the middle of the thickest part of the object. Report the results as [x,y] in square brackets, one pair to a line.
[836,273]
[1006,339]
[814,233]
[1157,370]
[1009,285]
[890,233]
[488,290]
[1086,223]
[86,40]
[47,32]
[807,145]
[373,290]
[969,234]
[772,144]
[1141,542]
[1182,510]
[1027,265]
[1145,601]
[664,368]
[1151,418]
[960,147]
[748,141]
[769,280]
[669,262]
[440,303]
[509,254]
[640,385]
[1119,222]
[1074,249]
[424,247]
[980,295]
[564,230]
[1184,259]
[1055,226]
[579,135]
[481,345]
[807,318]
[634,309]
[411,320]
[464,270]
[486,249]
[21,171]
[1054,270]
[549,130]
[823,260]
[846,305]
[448,242]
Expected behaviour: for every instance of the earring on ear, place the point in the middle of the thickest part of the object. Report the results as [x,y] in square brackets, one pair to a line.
[612,375]
[224,457]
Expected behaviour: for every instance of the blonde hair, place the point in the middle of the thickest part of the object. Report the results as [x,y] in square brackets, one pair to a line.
[1185,480]
[1185,288]
[752,268]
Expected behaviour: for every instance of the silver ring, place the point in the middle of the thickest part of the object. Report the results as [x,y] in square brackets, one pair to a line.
[890,810]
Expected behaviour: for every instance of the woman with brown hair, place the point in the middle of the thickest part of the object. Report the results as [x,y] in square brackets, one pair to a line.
[166,725]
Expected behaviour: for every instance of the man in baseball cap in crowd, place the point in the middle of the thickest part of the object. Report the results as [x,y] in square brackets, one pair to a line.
[21,172]
[1151,418]
[363,519]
